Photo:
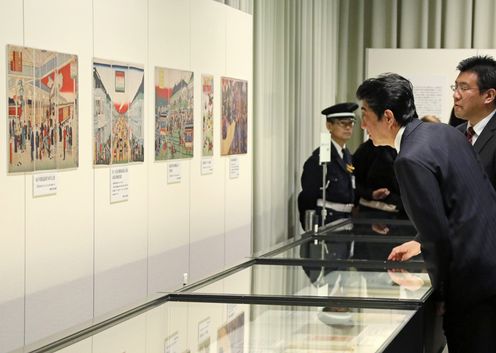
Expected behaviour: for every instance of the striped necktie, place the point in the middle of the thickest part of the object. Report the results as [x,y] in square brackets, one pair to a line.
[469,134]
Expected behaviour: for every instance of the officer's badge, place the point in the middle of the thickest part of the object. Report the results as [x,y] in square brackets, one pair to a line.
[350,168]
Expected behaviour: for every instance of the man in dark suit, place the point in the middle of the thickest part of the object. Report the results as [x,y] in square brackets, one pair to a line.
[340,183]
[475,102]
[450,201]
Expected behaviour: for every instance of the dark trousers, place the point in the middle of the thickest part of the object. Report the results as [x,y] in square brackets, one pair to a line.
[474,330]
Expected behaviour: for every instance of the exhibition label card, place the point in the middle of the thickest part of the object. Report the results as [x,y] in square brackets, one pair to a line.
[171,343]
[325,147]
[119,184]
[233,167]
[232,309]
[207,166]
[204,330]
[173,173]
[44,184]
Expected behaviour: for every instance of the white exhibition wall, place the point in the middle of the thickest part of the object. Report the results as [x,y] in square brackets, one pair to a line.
[72,256]
[431,70]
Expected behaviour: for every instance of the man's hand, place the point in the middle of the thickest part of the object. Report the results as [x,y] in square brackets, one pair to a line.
[380,194]
[405,251]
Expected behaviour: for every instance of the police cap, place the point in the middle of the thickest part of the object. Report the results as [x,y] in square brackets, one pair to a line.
[340,111]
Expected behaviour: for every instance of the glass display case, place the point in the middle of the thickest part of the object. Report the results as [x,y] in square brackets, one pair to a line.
[191,327]
[329,291]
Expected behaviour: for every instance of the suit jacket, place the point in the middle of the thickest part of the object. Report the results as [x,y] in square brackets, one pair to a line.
[485,146]
[451,202]
[339,182]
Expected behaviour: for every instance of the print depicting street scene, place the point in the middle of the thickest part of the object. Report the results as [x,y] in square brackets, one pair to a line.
[42,109]
[207,105]
[118,115]
[173,114]
[234,123]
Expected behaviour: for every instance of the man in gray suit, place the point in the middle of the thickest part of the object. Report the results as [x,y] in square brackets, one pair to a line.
[450,200]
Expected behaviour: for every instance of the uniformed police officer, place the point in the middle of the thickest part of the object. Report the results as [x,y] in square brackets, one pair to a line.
[340,183]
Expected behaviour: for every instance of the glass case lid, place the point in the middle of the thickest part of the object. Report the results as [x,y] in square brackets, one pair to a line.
[306,282]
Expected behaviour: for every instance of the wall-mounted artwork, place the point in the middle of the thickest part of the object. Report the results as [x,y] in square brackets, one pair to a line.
[42,90]
[173,114]
[234,123]
[118,114]
[207,108]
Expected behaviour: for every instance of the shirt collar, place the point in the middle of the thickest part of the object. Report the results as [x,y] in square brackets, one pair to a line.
[397,139]
[338,148]
[481,124]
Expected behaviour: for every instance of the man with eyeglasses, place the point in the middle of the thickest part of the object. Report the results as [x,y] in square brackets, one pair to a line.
[474,95]
[340,182]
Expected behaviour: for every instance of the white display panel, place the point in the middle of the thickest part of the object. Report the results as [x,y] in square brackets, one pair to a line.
[239,200]
[59,228]
[423,65]
[77,246]
[12,240]
[121,228]
[208,20]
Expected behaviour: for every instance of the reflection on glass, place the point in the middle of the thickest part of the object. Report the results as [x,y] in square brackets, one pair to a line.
[374,227]
[341,281]
[340,250]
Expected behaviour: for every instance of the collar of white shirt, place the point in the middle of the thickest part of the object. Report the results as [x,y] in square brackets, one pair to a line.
[480,126]
[397,139]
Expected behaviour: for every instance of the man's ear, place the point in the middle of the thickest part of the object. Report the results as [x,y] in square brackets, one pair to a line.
[389,118]
[328,126]
[490,96]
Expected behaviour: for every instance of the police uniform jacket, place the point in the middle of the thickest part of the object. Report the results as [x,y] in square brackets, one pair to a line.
[338,179]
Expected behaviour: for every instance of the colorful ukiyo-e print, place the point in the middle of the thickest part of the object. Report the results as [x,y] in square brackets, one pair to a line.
[173,114]
[234,123]
[118,114]
[207,107]
[42,109]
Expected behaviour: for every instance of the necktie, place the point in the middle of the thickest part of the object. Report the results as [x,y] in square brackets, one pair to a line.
[346,156]
[470,134]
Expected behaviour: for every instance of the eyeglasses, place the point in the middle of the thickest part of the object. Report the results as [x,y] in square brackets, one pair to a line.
[345,123]
[461,88]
